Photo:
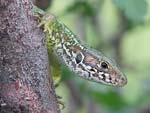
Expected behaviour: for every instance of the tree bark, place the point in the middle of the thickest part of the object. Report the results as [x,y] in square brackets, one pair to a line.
[25,82]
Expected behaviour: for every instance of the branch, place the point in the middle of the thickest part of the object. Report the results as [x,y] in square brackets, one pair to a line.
[25,84]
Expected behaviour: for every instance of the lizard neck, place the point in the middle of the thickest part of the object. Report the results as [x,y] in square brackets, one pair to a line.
[65,44]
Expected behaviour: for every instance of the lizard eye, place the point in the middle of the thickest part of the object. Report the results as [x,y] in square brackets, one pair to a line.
[78,58]
[104,65]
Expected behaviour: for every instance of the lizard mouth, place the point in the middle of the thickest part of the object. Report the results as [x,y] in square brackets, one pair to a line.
[120,81]
[114,80]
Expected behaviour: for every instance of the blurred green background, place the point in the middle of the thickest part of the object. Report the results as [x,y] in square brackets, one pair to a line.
[121,30]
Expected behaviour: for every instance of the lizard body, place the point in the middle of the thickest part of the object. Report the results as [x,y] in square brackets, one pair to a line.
[84,61]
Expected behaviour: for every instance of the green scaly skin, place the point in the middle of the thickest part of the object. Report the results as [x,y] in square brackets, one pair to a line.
[84,61]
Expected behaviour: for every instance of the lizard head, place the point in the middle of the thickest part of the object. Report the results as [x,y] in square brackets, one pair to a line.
[110,72]
[96,67]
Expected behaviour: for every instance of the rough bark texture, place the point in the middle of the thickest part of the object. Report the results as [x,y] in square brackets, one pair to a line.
[25,84]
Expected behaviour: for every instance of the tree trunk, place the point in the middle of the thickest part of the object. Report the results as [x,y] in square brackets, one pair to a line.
[25,82]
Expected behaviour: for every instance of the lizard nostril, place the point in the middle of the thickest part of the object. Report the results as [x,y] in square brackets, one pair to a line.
[122,81]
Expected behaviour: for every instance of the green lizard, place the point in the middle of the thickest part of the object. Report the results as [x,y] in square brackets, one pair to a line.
[84,61]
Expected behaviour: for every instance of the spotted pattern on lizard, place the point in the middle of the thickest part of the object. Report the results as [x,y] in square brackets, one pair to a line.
[84,61]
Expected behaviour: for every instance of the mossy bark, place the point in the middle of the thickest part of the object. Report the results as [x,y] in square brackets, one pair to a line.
[25,82]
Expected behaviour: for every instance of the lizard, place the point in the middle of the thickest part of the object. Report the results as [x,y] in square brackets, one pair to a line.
[86,62]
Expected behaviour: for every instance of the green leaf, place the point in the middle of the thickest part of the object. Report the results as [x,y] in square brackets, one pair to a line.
[133,9]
